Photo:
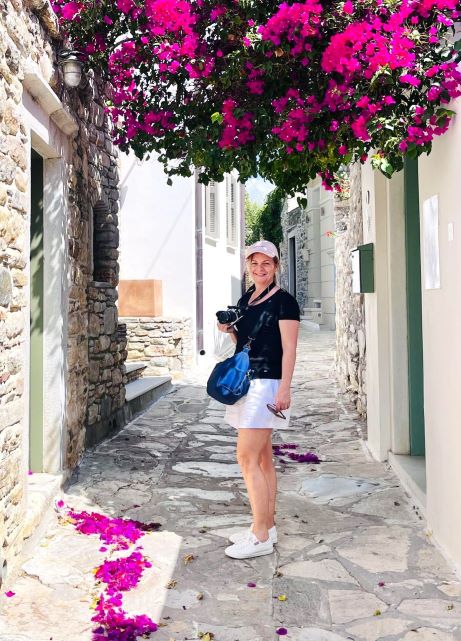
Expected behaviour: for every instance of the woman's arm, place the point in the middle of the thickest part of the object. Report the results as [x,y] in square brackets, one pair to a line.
[289,332]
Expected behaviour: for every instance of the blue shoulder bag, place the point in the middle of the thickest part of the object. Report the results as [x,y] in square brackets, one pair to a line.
[230,380]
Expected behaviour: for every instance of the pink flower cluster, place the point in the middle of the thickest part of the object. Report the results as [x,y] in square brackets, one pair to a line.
[255,82]
[322,82]
[296,24]
[123,574]
[118,575]
[236,131]
[281,450]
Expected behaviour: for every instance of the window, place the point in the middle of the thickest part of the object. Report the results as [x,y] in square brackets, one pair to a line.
[231,210]
[211,211]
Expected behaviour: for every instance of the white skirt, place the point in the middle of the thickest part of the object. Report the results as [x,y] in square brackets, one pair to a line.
[251,411]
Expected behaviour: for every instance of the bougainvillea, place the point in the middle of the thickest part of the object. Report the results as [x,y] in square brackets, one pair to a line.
[117,574]
[286,90]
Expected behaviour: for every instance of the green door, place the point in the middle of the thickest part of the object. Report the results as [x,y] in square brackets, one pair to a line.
[36,315]
[414,320]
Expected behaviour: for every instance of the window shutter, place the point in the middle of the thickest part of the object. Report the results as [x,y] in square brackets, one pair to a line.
[211,217]
[231,210]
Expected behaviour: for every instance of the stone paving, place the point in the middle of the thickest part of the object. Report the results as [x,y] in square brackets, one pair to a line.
[354,560]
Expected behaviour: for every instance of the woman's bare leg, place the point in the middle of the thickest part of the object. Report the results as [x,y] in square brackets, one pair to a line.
[250,445]
[266,463]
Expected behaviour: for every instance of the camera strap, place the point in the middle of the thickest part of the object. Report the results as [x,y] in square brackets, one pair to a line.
[255,330]
[261,296]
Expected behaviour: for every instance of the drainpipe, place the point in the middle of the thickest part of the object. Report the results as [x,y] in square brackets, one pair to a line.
[242,237]
[198,265]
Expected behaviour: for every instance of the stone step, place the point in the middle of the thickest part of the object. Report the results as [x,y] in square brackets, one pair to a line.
[144,391]
[134,370]
[42,492]
[310,324]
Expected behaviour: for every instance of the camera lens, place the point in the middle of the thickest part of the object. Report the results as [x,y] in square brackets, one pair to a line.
[226,316]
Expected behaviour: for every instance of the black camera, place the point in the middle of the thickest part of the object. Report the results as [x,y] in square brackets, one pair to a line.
[229,316]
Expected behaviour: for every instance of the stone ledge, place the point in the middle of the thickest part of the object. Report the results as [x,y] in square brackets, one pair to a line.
[48,100]
[41,491]
[134,366]
[143,385]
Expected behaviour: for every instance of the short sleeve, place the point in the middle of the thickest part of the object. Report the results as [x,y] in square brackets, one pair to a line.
[289,308]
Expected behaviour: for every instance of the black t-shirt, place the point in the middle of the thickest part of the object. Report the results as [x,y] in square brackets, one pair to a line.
[266,350]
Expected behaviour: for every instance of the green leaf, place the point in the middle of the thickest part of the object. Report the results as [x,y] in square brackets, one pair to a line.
[169,182]
[217,117]
[386,167]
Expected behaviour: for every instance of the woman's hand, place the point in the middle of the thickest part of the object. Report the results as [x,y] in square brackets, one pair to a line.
[282,399]
[227,329]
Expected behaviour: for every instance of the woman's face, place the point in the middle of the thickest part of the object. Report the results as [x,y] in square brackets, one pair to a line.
[262,269]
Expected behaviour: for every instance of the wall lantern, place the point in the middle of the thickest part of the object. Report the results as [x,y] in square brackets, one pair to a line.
[72,67]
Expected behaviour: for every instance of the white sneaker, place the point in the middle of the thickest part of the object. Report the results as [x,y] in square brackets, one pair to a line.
[249,548]
[237,537]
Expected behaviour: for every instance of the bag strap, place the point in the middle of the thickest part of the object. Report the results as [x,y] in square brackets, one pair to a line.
[255,330]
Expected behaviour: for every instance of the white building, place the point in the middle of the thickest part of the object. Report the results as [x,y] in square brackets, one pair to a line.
[413,330]
[190,238]
[308,255]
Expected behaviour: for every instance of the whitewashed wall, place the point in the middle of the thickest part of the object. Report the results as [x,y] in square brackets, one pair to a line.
[158,224]
[441,310]
[222,267]
[158,232]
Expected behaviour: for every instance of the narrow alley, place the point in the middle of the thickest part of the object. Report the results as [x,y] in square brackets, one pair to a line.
[354,559]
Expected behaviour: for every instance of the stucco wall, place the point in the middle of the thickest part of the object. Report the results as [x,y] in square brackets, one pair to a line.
[441,309]
[157,232]
[222,273]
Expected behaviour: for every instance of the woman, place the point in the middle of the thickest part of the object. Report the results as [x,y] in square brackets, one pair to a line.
[272,358]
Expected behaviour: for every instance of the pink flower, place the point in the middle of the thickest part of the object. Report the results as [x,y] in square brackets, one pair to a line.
[9,594]
[70,10]
[348,7]
[410,79]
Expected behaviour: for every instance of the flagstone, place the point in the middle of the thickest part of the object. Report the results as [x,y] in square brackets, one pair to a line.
[433,611]
[378,549]
[320,549]
[328,487]
[350,605]
[326,570]
[313,634]
[429,634]
[377,628]
[451,589]
[205,468]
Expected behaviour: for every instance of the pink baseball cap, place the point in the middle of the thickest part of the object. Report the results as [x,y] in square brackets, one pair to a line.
[262,247]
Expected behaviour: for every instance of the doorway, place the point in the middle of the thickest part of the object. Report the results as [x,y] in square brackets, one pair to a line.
[414,312]
[292,265]
[36,315]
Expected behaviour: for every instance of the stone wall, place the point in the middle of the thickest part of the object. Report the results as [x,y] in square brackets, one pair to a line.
[107,354]
[29,36]
[164,344]
[93,243]
[295,221]
[350,311]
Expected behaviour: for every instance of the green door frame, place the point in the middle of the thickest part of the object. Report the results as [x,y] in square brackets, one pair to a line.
[414,309]
[36,315]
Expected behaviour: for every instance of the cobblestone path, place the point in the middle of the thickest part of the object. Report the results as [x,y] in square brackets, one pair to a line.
[354,560]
